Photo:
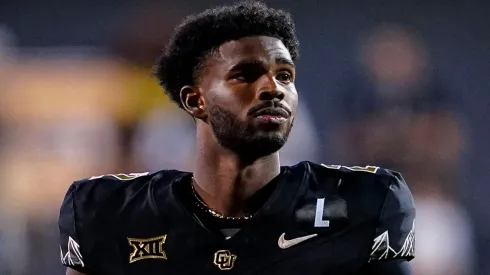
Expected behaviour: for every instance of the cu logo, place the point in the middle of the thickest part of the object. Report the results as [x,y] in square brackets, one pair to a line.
[224,260]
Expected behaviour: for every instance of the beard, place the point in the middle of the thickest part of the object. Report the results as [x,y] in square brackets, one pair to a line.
[243,138]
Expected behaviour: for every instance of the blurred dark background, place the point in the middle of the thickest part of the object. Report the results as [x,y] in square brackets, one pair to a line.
[400,84]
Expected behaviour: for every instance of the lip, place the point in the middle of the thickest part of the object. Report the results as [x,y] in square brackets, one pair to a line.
[272,112]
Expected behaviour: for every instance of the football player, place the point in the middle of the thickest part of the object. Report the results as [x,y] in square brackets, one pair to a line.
[232,69]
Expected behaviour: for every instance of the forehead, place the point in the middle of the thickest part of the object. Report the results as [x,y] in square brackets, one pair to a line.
[263,48]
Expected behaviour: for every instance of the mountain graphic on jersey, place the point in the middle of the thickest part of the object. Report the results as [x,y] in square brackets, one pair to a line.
[381,247]
[73,257]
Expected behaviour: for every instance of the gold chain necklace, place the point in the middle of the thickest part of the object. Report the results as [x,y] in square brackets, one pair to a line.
[203,206]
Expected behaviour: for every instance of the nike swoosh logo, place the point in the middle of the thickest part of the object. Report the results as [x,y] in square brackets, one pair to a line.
[283,243]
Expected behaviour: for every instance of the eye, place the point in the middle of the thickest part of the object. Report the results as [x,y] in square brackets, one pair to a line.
[247,76]
[284,76]
[237,77]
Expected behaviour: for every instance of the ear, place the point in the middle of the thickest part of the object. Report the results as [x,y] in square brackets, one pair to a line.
[193,102]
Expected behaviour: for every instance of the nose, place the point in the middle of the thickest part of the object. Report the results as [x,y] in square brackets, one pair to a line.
[268,88]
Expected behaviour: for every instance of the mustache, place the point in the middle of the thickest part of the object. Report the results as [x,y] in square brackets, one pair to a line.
[267,104]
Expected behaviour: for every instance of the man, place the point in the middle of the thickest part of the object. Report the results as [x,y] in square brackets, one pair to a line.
[240,212]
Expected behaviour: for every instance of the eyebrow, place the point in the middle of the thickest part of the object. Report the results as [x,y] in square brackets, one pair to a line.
[250,63]
[284,61]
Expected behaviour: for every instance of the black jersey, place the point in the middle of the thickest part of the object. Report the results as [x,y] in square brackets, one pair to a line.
[320,219]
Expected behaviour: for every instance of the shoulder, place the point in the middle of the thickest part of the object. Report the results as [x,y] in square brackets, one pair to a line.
[369,178]
[90,193]
[93,192]
[371,193]
[97,188]
[373,176]
[100,197]
[337,169]
[388,184]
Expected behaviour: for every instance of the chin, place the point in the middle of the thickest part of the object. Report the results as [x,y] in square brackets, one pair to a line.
[251,140]
[271,137]
[264,144]
[258,145]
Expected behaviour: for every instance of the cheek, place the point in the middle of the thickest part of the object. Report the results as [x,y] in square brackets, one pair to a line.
[217,95]
[292,99]
[234,98]
[222,94]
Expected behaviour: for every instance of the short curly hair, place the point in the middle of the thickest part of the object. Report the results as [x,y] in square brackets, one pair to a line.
[198,35]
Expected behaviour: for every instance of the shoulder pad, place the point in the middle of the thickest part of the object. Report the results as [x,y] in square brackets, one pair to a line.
[355,169]
[375,173]
[121,177]
[96,189]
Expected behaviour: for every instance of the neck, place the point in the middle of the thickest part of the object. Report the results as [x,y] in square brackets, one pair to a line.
[224,181]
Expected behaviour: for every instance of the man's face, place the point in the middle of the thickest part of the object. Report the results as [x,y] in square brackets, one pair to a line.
[250,97]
